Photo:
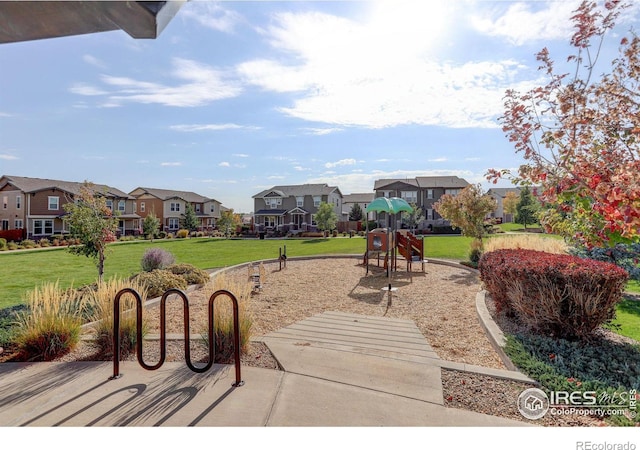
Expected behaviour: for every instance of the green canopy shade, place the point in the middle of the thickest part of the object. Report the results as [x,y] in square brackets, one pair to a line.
[392,205]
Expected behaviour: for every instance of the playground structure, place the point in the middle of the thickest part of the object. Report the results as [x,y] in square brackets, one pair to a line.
[385,245]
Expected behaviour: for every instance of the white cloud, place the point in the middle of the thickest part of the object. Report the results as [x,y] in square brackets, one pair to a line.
[7,157]
[301,169]
[86,89]
[379,72]
[170,164]
[323,131]
[224,164]
[441,159]
[92,60]
[342,162]
[241,155]
[211,15]
[211,127]
[276,177]
[200,85]
[525,22]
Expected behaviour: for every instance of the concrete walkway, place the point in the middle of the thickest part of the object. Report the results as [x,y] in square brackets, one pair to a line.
[339,370]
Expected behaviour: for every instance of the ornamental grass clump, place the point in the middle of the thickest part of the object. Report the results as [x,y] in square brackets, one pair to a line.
[156,258]
[190,273]
[157,282]
[100,300]
[223,316]
[526,241]
[558,295]
[50,327]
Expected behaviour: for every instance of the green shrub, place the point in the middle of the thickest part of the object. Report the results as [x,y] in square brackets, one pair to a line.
[100,300]
[190,273]
[12,246]
[8,324]
[475,251]
[158,281]
[51,326]
[3,244]
[156,258]
[44,242]
[556,294]
[182,234]
[603,366]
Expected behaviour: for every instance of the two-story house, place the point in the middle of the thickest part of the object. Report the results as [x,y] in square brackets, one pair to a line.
[292,208]
[169,207]
[499,195]
[37,205]
[363,200]
[421,191]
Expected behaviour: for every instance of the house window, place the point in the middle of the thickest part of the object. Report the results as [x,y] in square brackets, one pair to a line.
[5,225]
[175,207]
[213,207]
[270,221]
[135,207]
[5,202]
[453,192]
[121,205]
[54,203]
[299,202]
[429,214]
[142,206]
[429,193]
[316,200]
[43,226]
[174,223]
[273,203]
[110,204]
[409,196]
[18,224]
[197,207]
[18,202]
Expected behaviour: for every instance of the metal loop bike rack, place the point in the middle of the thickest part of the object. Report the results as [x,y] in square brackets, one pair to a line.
[163,337]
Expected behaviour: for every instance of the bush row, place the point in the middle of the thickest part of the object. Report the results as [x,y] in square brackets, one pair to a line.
[556,294]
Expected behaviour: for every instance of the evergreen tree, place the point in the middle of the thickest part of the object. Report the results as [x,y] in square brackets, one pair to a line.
[189,219]
[528,206]
[355,214]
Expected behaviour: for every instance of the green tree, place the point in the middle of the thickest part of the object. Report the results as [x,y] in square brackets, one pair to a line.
[527,208]
[151,225]
[227,222]
[467,210]
[356,213]
[189,219]
[413,218]
[326,218]
[93,223]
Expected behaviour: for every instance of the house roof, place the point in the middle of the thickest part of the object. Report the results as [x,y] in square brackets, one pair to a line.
[30,185]
[168,194]
[299,189]
[502,192]
[358,198]
[30,20]
[379,184]
[271,212]
[442,182]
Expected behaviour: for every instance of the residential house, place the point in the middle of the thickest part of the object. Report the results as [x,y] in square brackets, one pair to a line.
[37,205]
[499,194]
[421,191]
[293,208]
[169,207]
[362,200]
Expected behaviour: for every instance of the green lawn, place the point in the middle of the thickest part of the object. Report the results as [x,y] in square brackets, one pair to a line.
[21,271]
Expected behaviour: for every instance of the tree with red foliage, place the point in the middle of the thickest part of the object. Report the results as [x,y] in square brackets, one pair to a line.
[580,136]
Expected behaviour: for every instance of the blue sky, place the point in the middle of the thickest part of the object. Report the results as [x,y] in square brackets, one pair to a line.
[235,97]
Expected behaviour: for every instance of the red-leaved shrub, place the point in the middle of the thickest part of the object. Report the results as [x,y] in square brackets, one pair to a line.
[562,295]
